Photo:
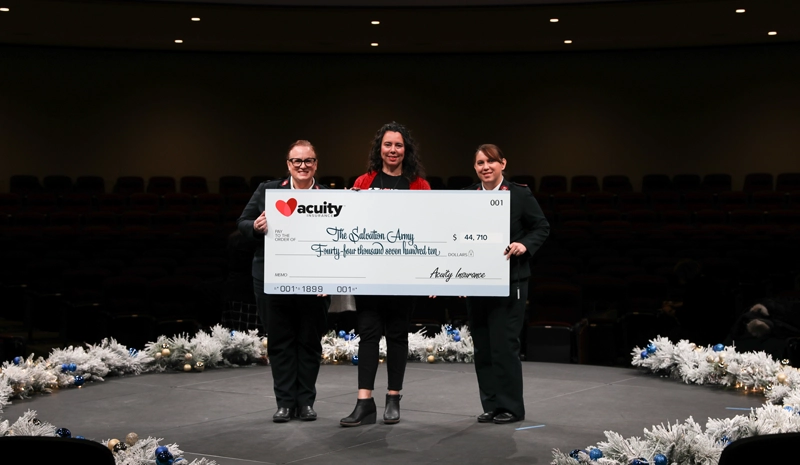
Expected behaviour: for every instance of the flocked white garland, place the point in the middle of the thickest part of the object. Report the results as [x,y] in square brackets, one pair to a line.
[73,366]
[688,442]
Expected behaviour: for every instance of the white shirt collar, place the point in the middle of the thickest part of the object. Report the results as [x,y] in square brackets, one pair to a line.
[291,183]
[497,187]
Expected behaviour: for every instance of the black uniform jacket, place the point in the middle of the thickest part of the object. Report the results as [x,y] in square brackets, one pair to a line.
[528,226]
[252,211]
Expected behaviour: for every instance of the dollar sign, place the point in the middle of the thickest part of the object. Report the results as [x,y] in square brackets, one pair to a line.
[454,237]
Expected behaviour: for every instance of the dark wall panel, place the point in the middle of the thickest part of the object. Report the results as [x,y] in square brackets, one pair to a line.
[114,113]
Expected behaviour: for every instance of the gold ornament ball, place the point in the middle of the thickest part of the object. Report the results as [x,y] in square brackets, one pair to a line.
[165,352]
[199,366]
[785,361]
[721,365]
[429,349]
[264,343]
[710,359]
[188,356]
[782,378]
[187,367]
[431,359]
[157,355]
[131,439]
[112,443]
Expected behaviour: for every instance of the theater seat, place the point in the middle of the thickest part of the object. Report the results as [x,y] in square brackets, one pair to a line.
[55,449]
[767,448]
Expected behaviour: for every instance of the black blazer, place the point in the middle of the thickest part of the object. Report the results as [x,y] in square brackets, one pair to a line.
[252,211]
[528,226]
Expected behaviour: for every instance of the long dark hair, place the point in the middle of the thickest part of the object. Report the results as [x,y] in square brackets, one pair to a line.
[412,168]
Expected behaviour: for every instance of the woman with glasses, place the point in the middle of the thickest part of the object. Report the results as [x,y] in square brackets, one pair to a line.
[496,322]
[393,164]
[295,323]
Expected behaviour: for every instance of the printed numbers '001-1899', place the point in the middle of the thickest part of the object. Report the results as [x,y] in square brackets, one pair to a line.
[289,289]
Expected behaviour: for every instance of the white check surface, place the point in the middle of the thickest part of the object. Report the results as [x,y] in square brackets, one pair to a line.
[390,242]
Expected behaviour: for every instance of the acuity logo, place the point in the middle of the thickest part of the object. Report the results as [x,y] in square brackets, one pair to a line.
[288,207]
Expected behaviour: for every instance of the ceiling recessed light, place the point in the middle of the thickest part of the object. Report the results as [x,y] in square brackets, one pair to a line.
[178,41]
[375,23]
[772,33]
[4,9]
[374,44]
[740,10]
[567,41]
[195,19]
[553,20]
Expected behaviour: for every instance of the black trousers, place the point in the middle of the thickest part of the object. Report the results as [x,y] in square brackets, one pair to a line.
[378,315]
[495,324]
[297,323]
[261,304]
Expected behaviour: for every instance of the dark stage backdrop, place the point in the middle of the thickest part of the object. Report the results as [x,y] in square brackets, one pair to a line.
[114,113]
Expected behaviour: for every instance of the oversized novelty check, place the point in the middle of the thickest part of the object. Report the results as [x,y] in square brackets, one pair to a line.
[386,242]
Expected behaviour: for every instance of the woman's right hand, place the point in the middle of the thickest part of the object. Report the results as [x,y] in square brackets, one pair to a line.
[260,224]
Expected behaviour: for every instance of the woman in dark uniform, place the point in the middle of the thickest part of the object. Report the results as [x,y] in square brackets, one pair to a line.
[295,323]
[393,164]
[496,322]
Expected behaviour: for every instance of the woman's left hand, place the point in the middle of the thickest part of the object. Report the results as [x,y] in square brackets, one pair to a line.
[515,249]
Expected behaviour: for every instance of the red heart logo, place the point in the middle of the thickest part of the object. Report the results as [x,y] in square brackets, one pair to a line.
[286,208]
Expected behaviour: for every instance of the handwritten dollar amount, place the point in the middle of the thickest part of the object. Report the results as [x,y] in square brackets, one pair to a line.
[472,237]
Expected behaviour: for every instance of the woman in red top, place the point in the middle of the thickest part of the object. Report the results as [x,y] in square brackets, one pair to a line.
[393,164]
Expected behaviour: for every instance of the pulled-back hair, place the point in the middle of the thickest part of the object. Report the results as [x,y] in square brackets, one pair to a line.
[300,143]
[412,168]
[492,152]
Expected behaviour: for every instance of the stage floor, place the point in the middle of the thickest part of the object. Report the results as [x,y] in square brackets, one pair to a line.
[226,414]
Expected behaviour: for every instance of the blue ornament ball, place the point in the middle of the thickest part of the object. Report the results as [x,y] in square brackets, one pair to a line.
[233,333]
[347,337]
[63,433]
[133,352]
[640,461]
[576,453]
[73,367]
[341,333]
[64,367]
[164,458]
[161,449]
[456,338]
[17,360]
[354,359]
[79,437]
[718,347]
[595,454]
[660,459]
[644,354]
[789,409]
[79,380]
[651,348]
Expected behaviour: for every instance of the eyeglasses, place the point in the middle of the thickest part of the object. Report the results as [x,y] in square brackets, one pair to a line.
[298,162]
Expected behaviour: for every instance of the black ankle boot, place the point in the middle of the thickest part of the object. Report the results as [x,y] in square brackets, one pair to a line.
[364,414]
[392,413]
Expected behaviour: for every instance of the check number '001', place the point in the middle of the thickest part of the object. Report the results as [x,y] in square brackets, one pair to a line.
[496,202]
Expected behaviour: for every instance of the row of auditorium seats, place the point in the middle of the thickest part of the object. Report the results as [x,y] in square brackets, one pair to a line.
[548,184]
[606,221]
